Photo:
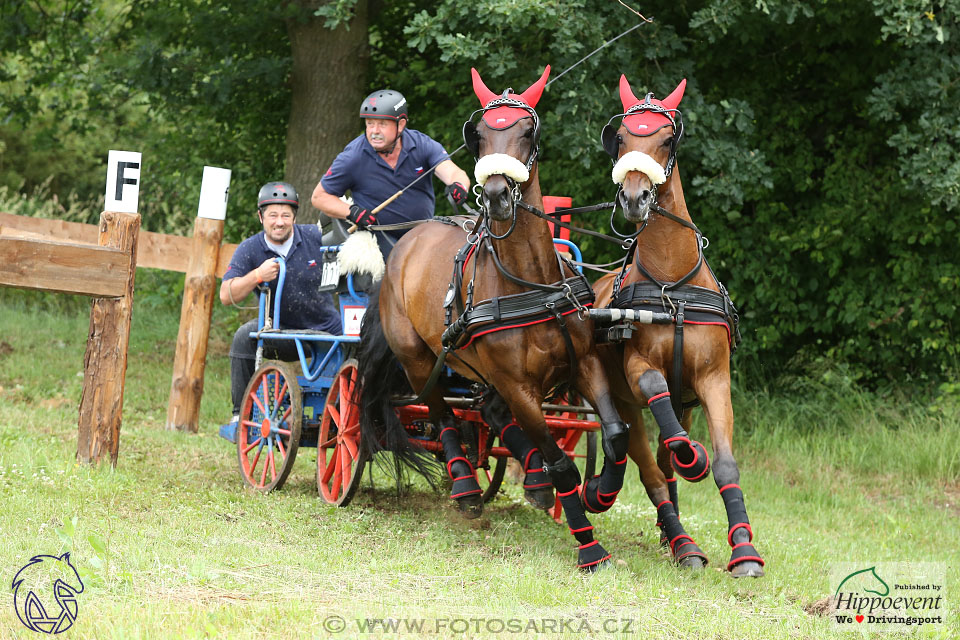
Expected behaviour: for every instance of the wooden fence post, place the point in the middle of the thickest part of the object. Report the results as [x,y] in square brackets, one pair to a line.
[199,294]
[105,360]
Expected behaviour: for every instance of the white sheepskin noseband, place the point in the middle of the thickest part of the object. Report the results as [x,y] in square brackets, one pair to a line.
[500,164]
[361,254]
[638,161]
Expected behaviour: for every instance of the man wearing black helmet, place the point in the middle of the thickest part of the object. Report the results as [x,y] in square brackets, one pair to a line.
[376,165]
[255,262]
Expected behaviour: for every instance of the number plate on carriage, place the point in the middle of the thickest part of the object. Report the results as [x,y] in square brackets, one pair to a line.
[331,272]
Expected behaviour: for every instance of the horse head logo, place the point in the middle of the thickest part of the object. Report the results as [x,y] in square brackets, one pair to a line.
[867,581]
[42,575]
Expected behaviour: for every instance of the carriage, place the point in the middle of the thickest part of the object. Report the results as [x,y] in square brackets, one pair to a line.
[312,403]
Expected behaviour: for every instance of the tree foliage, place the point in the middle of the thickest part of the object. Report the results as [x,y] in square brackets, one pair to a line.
[820,154]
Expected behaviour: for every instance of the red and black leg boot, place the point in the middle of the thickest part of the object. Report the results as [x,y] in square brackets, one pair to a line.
[689,458]
[466,490]
[600,492]
[565,476]
[537,488]
[745,561]
[684,550]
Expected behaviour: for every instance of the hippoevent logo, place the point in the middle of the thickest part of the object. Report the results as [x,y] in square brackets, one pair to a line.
[891,596]
[45,593]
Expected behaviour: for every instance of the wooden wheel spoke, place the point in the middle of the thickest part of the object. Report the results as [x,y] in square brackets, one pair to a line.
[273,465]
[350,445]
[256,459]
[280,447]
[252,445]
[335,416]
[331,466]
[337,480]
[266,465]
[344,404]
[256,400]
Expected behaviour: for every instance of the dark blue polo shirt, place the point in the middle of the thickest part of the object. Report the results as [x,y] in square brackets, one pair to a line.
[302,306]
[362,171]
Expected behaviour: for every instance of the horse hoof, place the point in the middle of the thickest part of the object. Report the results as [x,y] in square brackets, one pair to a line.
[603,565]
[471,507]
[694,563]
[540,498]
[748,569]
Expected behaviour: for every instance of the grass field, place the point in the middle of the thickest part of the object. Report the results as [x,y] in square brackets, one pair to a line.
[169,545]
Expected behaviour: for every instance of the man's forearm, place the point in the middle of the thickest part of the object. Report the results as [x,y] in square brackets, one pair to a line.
[236,289]
[330,204]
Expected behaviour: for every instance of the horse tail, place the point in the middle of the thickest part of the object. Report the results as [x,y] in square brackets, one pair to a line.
[381,378]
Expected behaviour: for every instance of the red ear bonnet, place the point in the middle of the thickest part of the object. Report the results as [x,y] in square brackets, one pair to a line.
[645,123]
[503,117]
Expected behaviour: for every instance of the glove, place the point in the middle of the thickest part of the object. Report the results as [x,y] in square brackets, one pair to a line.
[457,192]
[361,217]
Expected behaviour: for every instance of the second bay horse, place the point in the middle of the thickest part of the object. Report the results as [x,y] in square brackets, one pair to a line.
[667,272]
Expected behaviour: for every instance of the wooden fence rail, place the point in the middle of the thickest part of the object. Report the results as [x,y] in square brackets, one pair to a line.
[155,250]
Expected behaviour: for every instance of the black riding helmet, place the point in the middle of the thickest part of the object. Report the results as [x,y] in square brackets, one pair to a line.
[385,104]
[278,193]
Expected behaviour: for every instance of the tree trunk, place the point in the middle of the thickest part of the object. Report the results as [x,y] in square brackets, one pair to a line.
[329,78]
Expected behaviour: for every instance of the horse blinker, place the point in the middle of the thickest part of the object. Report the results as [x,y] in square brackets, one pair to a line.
[611,141]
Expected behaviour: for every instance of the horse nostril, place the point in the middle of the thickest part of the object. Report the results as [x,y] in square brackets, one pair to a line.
[644,198]
[624,201]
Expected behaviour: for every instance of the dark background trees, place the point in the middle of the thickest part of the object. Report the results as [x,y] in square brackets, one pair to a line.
[820,155]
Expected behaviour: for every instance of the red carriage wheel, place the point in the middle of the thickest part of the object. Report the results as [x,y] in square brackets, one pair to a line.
[340,455]
[490,480]
[268,434]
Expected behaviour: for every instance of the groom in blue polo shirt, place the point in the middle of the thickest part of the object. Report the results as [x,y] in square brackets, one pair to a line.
[254,262]
[388,157]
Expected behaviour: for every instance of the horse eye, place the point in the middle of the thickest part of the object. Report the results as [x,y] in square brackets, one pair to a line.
[619,139]
[528,133]
[667,142]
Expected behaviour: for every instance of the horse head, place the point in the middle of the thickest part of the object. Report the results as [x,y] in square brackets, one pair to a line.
[505,142]
[643,148]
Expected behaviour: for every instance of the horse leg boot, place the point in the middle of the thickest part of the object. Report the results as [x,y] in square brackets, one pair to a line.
[566,478]
[745,561]
[600,491]
[663,463]
[689,459]
[684,550]
[537,488]
[466,490]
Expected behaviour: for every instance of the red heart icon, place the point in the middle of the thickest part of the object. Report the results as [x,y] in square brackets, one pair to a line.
[859,618]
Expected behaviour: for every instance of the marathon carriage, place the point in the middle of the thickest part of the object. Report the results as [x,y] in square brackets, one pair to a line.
[312,403]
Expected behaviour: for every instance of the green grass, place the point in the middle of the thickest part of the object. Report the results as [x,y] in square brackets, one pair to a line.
[171,545]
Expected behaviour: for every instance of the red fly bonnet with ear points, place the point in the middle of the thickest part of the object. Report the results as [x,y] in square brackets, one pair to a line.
[647,122]
[501,117]
[504,111]
[645,117]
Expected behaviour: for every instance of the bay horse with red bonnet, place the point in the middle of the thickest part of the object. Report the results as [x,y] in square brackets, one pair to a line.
[664,273]
[514,316]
